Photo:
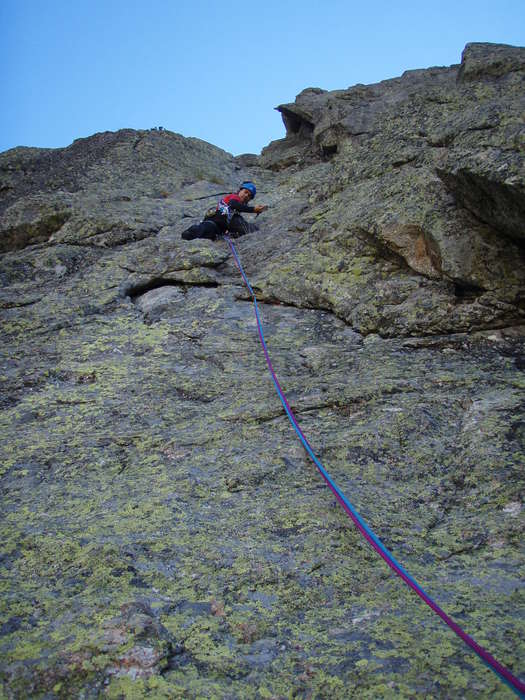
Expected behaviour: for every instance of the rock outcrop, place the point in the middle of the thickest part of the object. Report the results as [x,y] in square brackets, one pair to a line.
[163,534]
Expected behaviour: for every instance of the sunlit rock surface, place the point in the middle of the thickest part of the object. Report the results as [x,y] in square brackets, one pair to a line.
[164,534]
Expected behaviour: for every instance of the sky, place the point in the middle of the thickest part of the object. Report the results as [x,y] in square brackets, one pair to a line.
[214,70]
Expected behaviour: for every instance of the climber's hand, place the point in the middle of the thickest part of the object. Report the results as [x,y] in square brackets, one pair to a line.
[259,208]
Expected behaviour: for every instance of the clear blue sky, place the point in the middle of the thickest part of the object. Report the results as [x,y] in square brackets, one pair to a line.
[212,69]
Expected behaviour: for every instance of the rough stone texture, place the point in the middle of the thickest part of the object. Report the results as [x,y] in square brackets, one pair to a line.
[164,535]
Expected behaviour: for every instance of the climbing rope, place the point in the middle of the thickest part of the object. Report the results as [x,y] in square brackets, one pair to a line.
[502,671]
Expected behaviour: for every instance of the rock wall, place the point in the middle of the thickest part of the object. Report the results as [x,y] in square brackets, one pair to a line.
[164,534]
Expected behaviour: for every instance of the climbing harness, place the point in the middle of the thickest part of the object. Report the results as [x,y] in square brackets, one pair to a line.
[223,208]
[502,671]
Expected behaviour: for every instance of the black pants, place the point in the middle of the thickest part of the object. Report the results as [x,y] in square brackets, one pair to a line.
[214,229]
[206,229]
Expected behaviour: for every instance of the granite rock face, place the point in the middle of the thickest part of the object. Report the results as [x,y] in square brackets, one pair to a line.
[164,534]
[429,168]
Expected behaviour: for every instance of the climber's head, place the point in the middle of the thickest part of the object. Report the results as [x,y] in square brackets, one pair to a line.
[247,191]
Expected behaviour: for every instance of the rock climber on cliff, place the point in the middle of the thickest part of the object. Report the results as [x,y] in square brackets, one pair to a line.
[227,218]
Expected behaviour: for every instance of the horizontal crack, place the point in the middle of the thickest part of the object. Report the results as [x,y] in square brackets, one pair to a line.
[11,304]
[135,290]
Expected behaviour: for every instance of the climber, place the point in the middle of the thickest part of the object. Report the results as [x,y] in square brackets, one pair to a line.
[226,217]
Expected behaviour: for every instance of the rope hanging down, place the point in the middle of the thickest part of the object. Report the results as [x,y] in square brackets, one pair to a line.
[502,671]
